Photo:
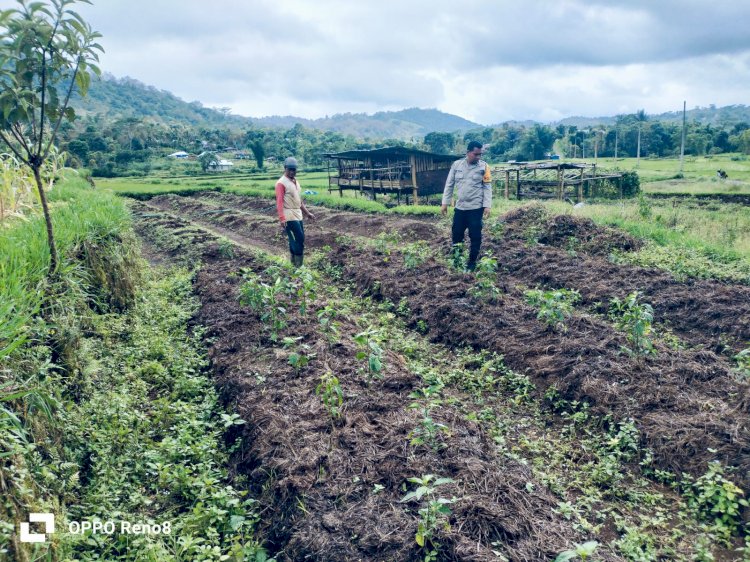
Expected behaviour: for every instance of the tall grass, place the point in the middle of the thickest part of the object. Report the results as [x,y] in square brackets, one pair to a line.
[720,231]
[79,214]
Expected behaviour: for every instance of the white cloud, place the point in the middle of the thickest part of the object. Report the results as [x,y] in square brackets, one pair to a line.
[487,61]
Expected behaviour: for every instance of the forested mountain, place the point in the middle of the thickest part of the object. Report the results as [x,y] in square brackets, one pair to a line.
[119,98]
[124,125]
[727,116]
[129,98]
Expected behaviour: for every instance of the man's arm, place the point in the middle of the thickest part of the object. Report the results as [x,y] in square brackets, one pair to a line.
[280,191]
[450,184]
[487,190]
[305,212]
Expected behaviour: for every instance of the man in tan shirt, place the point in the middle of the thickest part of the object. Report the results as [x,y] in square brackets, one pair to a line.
[291,210]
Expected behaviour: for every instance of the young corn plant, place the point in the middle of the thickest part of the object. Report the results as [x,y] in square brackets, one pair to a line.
[554,307]
[329,390]
[635,319]
[433,513]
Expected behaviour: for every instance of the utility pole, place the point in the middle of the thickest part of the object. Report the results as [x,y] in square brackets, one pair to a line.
[638,150]
[682,146]
[583,146]
[615,144]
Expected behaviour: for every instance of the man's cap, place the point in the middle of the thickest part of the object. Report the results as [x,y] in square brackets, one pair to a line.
[290,162]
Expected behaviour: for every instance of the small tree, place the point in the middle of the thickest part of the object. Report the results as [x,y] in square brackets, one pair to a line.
[208,160]
[45,52]
[259,152]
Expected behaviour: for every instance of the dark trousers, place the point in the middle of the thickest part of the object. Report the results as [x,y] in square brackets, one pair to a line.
[296,233]
[473,221]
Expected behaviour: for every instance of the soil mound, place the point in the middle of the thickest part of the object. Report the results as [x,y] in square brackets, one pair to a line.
[575,234]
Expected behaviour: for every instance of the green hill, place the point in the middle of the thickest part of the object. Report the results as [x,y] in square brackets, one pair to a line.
[128,98]
[726,116]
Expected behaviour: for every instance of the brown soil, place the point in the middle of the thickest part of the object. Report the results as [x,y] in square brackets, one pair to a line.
[685,403]
[315,479]
[566,231]
[700,312]
[707,313]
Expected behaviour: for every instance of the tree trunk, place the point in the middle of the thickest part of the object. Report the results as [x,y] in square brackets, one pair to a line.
[48,221]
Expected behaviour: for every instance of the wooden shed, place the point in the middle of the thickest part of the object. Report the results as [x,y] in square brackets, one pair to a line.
[405,172]
[556,180]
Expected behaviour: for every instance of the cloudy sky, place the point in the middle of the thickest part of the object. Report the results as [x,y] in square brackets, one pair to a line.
[487,61]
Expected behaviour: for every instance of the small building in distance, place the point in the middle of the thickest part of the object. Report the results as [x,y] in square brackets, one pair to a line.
[397,170]
[220,166]
[181,154]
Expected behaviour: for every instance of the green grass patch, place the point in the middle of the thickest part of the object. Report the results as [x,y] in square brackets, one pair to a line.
[80,216]
[718,231]
[150,432]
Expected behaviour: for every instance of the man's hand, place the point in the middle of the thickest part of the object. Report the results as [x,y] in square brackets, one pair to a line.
[444,210]
[283,225]
[486,212]
[310,216]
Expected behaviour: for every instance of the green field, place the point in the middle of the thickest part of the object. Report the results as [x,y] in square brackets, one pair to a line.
[661,175]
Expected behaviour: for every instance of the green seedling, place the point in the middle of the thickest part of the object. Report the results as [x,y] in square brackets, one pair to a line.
[486,277]
[433,514]
[635,319]
[329,390]
[416,254]
[371,353]
[580,552]
[555,307]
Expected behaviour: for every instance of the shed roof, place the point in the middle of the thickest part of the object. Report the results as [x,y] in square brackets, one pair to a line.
[389,152]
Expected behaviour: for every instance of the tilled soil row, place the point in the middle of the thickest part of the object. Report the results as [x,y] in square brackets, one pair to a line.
[700,312]
[316,477]
[684,402]
[688,405]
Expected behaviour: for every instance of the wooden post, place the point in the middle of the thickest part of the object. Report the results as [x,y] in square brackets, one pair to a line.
[328,169]
[359,175]
[507,184]
[413,160]
[593,178]
[518,183]
[372,181]
[559,183]
[341,189]
[583,171]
